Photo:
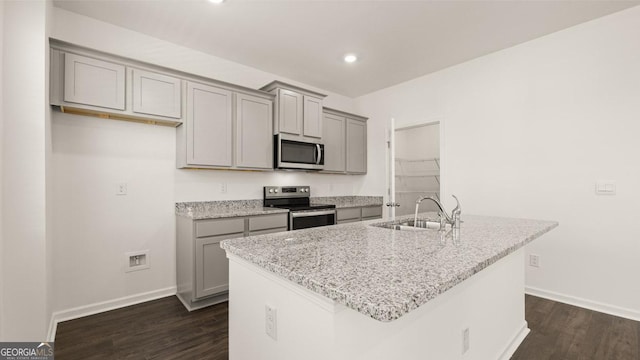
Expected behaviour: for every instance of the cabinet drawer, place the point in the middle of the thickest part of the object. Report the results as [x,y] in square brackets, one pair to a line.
[347,214]
[219,227]
[347,221]
[371,211]
[267,231]
[268,222]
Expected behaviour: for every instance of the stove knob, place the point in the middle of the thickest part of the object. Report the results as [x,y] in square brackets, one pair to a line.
[271,191]
[307,190]
[276,190]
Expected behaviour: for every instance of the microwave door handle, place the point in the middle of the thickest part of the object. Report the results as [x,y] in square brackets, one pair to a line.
[319,157]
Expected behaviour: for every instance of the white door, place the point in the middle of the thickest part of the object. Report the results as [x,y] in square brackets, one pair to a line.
[414,167]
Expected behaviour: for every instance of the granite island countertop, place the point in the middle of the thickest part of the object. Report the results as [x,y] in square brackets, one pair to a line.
[384,273]
[199,210]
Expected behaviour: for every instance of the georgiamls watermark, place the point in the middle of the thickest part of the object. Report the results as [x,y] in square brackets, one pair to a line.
[26,351]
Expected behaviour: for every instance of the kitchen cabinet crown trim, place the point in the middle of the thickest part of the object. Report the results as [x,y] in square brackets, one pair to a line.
[336,112]
[276,84]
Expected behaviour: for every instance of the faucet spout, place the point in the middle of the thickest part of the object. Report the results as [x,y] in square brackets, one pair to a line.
[441,210]
[453,220]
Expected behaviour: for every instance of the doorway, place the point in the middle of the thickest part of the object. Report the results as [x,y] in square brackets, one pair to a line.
[414,163]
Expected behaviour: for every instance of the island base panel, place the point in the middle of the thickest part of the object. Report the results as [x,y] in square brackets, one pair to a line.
[309,326]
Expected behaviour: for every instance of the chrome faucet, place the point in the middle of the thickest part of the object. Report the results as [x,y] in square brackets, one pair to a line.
[453,219]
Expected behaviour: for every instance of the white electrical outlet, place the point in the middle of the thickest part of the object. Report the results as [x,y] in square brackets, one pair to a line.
[534,260]
[223,188]
[138,260]
[121,189]
[465,340]
[271,323]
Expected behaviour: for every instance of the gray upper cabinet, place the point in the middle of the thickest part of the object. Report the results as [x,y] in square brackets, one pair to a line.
[298,111]
[209,126]
[345,142]
[253,128]
[225,129]
[356,146]
[334,143]
[156,94]
[312,119]
[88,82]
[94,82]
[290,112]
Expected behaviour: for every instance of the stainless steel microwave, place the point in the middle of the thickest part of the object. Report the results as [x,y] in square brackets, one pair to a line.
[293,153]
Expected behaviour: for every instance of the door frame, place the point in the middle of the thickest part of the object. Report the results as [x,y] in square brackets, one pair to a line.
[391,126]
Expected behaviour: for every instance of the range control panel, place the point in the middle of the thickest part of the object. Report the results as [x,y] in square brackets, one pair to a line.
[286,191]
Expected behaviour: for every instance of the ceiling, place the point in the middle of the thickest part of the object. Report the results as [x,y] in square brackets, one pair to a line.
[305,40]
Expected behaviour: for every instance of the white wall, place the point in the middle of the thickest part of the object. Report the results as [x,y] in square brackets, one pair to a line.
[24,312]
[526,133]
[48,146]
[92,227]
[1,172]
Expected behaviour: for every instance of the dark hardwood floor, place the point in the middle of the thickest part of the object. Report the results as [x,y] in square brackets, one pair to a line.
[159,329]
[564,332]
[163,329]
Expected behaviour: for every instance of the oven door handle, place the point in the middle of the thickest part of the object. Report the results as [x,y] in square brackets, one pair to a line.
[312,213]
[319,157]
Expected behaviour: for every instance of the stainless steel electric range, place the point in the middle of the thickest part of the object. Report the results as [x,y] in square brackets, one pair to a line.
[302,214]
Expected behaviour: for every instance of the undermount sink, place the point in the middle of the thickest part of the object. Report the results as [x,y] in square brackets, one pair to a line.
[422,225]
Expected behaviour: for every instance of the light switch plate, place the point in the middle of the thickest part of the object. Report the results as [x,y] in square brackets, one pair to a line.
[604,187]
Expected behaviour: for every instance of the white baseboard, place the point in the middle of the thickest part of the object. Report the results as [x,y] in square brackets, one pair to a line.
[515,342]
[100,307]
[584,303]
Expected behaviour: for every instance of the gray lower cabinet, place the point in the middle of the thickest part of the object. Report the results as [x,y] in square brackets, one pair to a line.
[202,267]
[253,129]
[212,266]
[371,212]
[347,215]
[345,142]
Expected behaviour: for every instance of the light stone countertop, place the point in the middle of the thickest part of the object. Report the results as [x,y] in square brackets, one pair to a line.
[224,209]
[348,201]
[231,208]
[384,273]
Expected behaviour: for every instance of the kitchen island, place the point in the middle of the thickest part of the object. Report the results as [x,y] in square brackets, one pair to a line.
[358,291]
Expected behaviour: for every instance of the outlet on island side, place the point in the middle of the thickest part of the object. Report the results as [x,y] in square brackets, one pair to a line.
[534,260]
[271,322]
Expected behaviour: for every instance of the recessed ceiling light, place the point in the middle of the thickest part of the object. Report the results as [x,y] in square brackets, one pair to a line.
[217,2]
[350,58]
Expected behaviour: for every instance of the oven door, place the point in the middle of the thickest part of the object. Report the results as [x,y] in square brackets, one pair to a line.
[295,154]
[307,219]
